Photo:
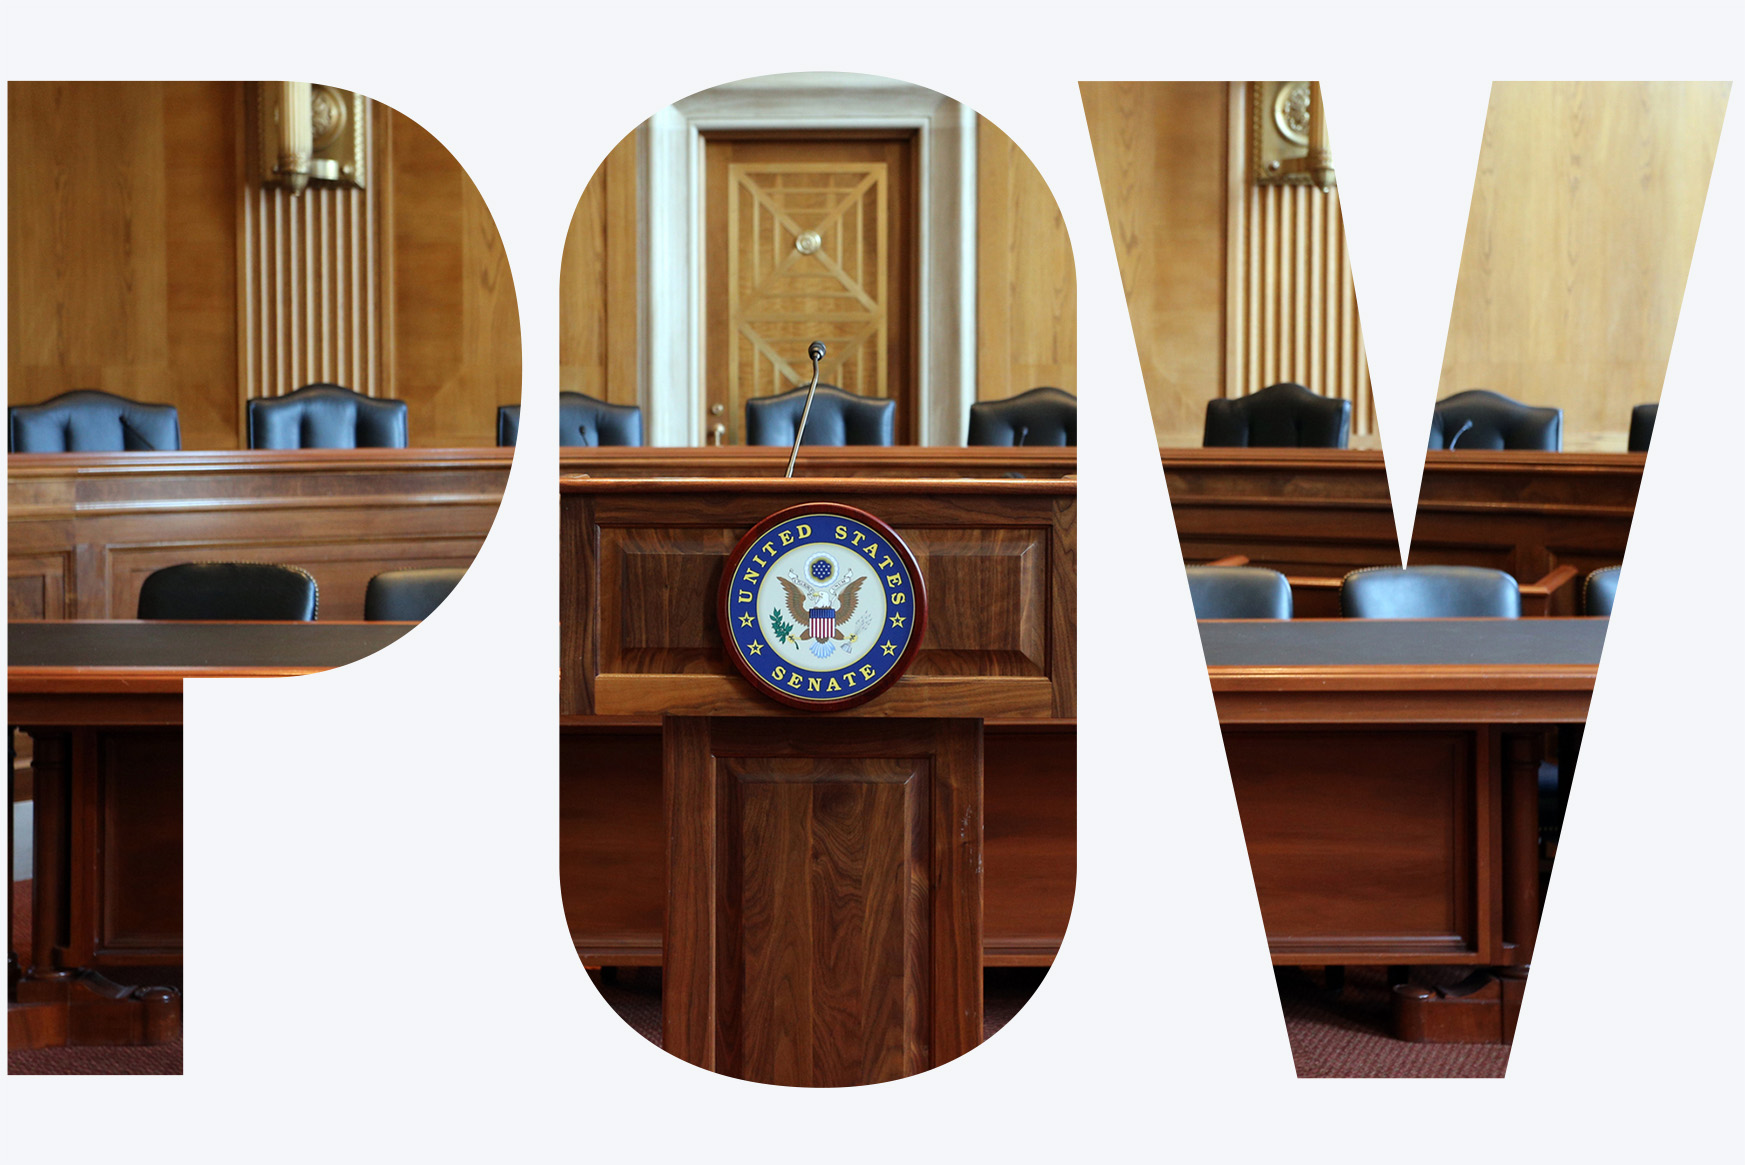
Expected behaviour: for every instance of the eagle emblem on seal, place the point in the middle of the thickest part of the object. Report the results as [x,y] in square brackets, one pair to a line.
[818,601]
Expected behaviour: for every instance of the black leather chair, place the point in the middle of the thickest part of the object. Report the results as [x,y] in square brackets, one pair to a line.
[581,420]
[409,595]
[231,591]
[326,416]
[1642,426]
[1042,416]
[1239,592]
[88,421]
[1600,590]
[1429,592]
[1481,419]
[1279,416]
[838,418]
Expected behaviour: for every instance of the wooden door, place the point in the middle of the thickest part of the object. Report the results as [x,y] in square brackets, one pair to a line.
[809,237]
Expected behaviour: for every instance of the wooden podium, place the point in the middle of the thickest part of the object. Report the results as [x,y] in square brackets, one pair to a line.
[823,919]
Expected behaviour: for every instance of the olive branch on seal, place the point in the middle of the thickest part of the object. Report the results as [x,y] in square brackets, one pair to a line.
[779,625]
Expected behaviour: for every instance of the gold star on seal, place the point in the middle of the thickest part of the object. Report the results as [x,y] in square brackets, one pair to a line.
[896,620]
[746,621]
[755,648]
[889,647]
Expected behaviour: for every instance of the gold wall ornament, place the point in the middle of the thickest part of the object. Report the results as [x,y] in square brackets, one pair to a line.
[311,133]
[1287,136]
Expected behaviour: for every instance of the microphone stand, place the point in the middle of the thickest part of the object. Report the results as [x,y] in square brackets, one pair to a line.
[816,352]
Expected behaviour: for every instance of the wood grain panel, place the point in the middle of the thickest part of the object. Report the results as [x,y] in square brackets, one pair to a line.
[1584,216]
[1325,512]
[454,327]
[92,526]
[1160,151]
[1000,625]
[1362,842]
[612,860]
[597,300]
[824,909]
[1026,282]
[123,245]
[37,585]
[138,789]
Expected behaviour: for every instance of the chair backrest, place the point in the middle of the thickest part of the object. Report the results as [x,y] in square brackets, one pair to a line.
[1600,590]
[1642,426]
[1041,416]
[581,420]
[326,416]
[1239,592]
[1429,592]
[88,421]
[409,595]
[838,418]
[1481,419]
[1279,416]
[229,590]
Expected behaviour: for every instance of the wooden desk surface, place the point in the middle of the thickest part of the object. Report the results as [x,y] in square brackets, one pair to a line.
[123,672]
[822,461]
[1402,671]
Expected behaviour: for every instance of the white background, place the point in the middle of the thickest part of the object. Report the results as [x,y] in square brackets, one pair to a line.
[377,963]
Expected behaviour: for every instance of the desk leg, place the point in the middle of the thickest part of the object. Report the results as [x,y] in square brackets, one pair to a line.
[1484,1007]
[824,878]
[56,1002]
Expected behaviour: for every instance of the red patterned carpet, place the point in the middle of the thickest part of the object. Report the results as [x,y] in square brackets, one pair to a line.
[162,1060]
[1345,1034]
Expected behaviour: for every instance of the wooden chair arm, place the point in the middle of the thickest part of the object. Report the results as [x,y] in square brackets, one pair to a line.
[1315,598]
[1537,597]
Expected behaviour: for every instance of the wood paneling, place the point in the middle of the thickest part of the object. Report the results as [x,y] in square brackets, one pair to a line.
[597,300]
[631,648]
[1389,819]
[1584,215]
[823,921]
[146,260]
[86,529]
[612,860]
[123,245]
[1161,158]
[1231,287]
[1325,512]
[1026,283]
[454,328]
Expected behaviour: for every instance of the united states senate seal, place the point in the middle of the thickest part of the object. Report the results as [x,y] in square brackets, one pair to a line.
[821,606]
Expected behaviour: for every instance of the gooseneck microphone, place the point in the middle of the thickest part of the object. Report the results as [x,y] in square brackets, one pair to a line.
[816,352]
[1455,440]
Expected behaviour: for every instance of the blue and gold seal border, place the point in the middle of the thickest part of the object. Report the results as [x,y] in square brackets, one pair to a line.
[854,536]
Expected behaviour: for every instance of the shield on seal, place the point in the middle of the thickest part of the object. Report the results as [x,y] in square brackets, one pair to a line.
[823,622]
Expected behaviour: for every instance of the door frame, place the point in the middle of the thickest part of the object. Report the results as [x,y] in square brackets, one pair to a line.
[670,190]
